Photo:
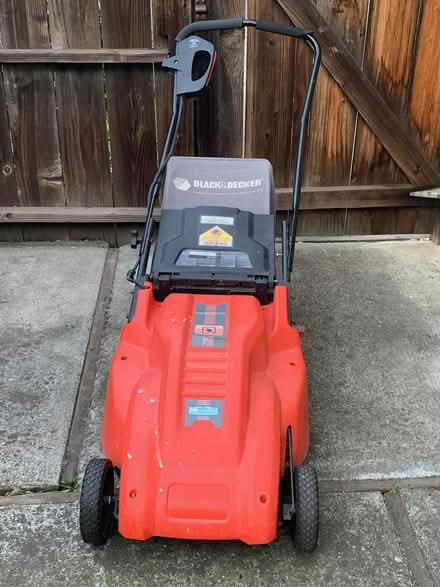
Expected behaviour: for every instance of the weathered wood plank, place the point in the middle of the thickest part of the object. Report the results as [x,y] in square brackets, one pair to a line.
[76,55]
[333,119]
[93,232]
[383,121]
[220,115]
[73,215]
[31,106]
[130,88]
[387,65]
[270,93]
[81,113]
[325,222]
[331,126]
[388,58]
[41,232]
[333,197]
[83,136]
[32,116]
[81,106]
[12,233]
[315,198]
[133,133]
[415,220]
[169,17]
[8,183]
[424,107]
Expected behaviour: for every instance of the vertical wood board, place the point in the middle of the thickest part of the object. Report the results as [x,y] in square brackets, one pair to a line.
[271,93]
[30,98]
[424,111]
[387,64]
[169,16]
[81,105]
[130,88]
[333,118]
[8,183]
[220,115]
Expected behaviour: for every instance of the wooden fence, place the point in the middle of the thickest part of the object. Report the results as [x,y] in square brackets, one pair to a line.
[84,108]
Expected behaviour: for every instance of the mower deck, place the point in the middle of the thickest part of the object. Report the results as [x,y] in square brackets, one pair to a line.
[199,437]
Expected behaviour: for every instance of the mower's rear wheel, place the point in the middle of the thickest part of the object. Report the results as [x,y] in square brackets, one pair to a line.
[96,503]
[305,523]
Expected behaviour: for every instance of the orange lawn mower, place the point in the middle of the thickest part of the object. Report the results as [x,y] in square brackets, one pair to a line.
[206,422]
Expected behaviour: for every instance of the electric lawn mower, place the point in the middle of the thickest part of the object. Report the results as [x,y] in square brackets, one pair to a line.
[206,413]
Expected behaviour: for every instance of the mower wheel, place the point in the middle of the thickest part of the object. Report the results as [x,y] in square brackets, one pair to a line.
[96,505]
[305,523]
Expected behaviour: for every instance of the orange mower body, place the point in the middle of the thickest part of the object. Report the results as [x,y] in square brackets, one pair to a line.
[197,426]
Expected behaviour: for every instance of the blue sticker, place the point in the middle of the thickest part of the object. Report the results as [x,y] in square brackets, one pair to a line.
[203,411]
[196,410]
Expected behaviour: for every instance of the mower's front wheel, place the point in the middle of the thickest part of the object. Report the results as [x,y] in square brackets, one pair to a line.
[97,502]
[305,522]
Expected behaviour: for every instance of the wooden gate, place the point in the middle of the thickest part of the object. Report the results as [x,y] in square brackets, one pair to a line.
[84,108]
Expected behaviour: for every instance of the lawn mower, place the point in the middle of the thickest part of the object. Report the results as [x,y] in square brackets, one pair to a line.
[206,426]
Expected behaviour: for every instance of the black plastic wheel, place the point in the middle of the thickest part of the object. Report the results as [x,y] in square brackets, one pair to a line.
[305,523]
[95,511]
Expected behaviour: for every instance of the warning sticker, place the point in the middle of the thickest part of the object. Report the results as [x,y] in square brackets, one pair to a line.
[216,237]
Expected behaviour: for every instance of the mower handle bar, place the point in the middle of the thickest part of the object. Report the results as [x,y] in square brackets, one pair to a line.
[239,23]
[138,274]
[289,230]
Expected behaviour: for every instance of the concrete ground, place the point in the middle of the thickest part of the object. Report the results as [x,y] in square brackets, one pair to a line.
[372,318]
[47,301]
[372,347]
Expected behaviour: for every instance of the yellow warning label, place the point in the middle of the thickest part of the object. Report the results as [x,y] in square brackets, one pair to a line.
[216,237]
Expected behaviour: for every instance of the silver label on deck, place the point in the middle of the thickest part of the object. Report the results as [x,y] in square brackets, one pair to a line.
[217,220]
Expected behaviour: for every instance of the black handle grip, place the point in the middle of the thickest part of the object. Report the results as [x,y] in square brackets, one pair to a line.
[182,63]
[281,29]
[209,25]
